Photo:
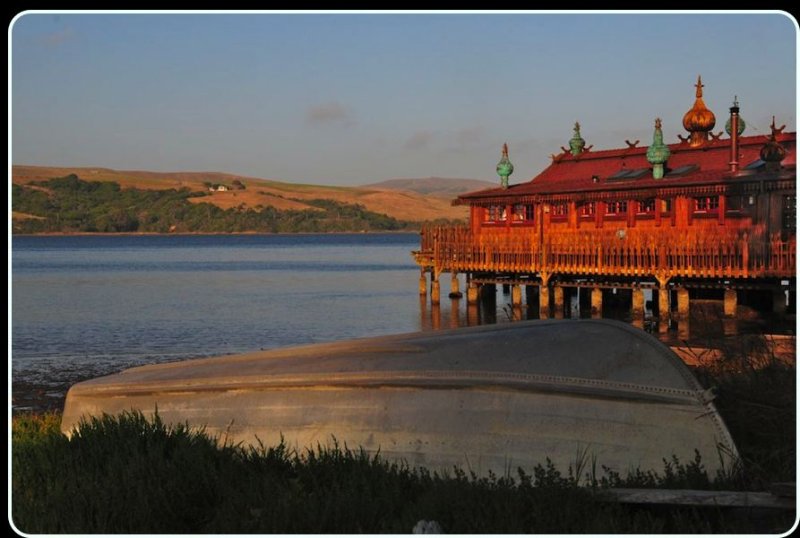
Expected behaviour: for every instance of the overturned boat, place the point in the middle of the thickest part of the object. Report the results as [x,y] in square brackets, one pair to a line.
[489,398]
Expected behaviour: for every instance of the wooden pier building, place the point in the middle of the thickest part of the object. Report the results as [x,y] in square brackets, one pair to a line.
[710,211]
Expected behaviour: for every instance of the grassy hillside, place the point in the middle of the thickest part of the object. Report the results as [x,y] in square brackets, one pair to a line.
[70,204]
[401,205]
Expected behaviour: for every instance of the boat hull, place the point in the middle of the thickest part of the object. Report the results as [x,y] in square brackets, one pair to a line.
[482,398]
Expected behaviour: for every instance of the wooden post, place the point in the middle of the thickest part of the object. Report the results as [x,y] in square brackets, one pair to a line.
[683,302]
[637,303]
[455,293]
[423,283]
[597,302]
[729,303]
[434,289]
[558,301]
[516,295]
[473,291]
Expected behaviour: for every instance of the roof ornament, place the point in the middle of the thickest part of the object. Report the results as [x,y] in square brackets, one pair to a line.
[631,145]
[504,168]
[658,152]
[576,143]
[699,120]
[741,123]
[772,153]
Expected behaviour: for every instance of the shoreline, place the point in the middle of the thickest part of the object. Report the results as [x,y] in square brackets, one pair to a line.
[114,234]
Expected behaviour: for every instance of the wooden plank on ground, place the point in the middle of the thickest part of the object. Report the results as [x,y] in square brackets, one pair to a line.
[690,497]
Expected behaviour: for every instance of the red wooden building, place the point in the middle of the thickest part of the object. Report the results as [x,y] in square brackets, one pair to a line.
[710,211]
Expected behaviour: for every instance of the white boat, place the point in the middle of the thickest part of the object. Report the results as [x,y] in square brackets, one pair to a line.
[482,398]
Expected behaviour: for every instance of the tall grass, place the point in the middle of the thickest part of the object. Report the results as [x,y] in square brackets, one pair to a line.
[130,474]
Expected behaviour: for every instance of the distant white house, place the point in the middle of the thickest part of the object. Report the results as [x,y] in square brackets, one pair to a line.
[218,188]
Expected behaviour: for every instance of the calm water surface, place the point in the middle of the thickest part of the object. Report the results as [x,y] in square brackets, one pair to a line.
[91,305]
[86,306]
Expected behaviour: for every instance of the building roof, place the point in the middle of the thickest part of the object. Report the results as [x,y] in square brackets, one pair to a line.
[686,166]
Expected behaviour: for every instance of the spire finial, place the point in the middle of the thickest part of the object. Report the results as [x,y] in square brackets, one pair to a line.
[658,152]
[504,167]
[699,120]
[576,143]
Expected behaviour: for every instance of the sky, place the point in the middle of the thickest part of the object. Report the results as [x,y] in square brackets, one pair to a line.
[356,98]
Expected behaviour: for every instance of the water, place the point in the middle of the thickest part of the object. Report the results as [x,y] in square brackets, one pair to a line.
[85,306]
[91,305]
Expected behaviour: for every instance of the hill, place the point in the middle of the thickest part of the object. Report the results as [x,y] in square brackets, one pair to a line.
[442,187]
[407,205]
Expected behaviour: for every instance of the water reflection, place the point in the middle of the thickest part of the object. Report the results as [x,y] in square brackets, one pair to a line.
[502,304]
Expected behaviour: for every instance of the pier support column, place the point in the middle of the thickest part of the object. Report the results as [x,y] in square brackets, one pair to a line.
[544,296]
[516,295]
[597,302]
[779,301]
[434,289]
[683,302]
[455,293]
[663,299]
[423,283]
[729,303]
[558,301]
[637,303]
[473,291]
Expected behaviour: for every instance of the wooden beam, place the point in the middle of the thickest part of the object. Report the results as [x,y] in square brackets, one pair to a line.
[691,497]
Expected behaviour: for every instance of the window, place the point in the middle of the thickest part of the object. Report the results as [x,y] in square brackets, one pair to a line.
[559,210]
[647,206]
[666,205]
[588,209]
[522,213]
[706,204]
[495,213]
[618,207]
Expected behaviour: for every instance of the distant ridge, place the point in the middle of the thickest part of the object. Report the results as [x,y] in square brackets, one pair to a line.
[433,186]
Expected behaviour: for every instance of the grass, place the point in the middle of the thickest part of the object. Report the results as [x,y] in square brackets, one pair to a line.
[128,474]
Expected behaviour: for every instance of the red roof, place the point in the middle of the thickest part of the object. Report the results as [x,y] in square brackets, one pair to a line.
[568,173]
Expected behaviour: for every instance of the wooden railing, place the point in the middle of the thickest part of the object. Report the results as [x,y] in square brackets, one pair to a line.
[691,253]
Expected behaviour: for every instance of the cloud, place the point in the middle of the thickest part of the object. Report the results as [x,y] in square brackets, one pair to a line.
[419,140]
[57,38]
[331,113]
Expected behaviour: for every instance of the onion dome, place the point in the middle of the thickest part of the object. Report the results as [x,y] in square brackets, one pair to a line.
[773,153]
[699,120]
[504,168]
[740,122]
[658,152]
[576,143]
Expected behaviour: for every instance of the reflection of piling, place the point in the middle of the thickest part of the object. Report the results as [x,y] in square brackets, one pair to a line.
[729,303]
[454,321]
[436,316]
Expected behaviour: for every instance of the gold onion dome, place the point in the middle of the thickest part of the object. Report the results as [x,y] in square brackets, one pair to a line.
[699,120]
